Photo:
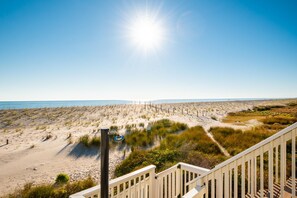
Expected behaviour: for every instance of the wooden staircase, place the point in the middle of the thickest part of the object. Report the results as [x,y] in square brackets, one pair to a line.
[277,190]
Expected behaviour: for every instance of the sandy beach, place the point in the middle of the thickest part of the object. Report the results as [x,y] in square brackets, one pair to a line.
[43,142]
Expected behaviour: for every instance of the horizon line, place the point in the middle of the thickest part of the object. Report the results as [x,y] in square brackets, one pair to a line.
[59,100]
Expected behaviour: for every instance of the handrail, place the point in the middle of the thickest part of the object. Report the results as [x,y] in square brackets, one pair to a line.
[251,149]
[194,168]
[167,170]
[128,176]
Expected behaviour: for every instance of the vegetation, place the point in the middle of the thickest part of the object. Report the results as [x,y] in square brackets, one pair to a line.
[88,142]
[274,118]
[187,146]
[235,141]
[114,128]
[52,190]
[160,129]
[62,178]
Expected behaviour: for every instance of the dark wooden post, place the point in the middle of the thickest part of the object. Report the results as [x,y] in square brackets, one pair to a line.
[104,162]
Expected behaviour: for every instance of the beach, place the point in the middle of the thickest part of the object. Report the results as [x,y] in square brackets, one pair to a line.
[43,142]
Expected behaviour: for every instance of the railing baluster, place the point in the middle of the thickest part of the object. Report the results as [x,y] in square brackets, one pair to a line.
[220,184]
[230,181]
[206,186]
[261,173]
[283,165]
[270,169]
[165,184]
[174,184]
[212,185]
[294,163]
[170,185]
[276,163]
[227,183]
[249,175]
[178,182]
[135,188]
[243,177]
[252,175]
[235,180]
[255,175]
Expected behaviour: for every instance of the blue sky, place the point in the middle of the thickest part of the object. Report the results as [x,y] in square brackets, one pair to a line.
[78,49]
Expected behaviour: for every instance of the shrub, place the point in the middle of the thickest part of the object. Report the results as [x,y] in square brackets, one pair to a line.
[279,120]
[141,124]
[54,191]
[174,148]
[62,178]
[236,141]
[85,140]
[114,128]
[95,141]
[141,158]
[143,138]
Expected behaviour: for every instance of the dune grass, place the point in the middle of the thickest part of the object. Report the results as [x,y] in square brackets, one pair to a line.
[274,119]
[235,141]
[187,146]
[88,141]
[159,129]
[269,115]
[52,190]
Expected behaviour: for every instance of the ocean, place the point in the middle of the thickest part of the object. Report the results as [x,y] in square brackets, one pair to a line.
[77,103]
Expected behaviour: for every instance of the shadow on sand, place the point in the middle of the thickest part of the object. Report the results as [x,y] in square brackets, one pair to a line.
[80,150]
[3,145]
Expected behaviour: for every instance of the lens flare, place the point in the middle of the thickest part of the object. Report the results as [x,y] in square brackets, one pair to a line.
[146,33]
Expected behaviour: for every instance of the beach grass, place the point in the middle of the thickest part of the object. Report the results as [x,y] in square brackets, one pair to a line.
[183,147]
[52,190]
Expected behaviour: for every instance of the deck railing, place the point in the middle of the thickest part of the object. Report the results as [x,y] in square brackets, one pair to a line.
[145,183]
[268,168]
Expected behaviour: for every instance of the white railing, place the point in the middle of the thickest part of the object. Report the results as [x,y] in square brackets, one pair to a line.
[145,183]
[177,180]
[260,171]
[136,184]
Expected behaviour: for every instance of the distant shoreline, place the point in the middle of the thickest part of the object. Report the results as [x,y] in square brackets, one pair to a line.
[5,105]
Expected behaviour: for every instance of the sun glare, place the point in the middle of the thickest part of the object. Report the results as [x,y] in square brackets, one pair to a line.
[146,32]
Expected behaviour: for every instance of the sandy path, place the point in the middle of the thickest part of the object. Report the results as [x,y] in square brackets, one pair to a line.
[223,150]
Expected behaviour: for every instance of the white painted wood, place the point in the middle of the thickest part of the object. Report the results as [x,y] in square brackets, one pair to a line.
[206,186]
[293,163]
[276,163]
[270,168]
[236,180]
[243,178]
[226,179]
[249,176]
[261,174]
[252,181]
[212,185]
[283,166]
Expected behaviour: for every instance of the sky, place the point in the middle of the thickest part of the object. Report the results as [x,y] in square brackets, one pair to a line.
[82,50]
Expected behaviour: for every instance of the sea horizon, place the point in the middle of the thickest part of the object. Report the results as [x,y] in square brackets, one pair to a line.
[5,105]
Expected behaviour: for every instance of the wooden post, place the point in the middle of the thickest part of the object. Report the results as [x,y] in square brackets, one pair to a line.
[104,163]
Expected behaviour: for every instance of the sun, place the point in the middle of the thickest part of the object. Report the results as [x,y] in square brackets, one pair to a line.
[146,32]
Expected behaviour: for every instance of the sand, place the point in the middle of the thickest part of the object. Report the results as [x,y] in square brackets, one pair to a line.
[30,157]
